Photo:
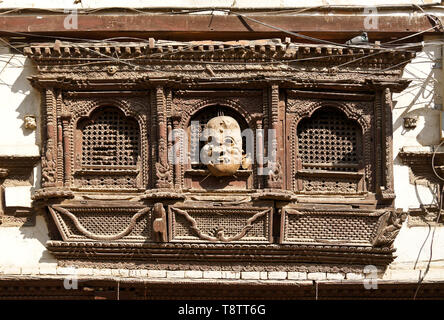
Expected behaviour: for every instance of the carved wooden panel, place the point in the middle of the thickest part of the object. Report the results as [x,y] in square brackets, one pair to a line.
[108,151]
[103,222]
[105,135]
[330,226]
[220,224]
[107,141]
[329,141]
[331,146]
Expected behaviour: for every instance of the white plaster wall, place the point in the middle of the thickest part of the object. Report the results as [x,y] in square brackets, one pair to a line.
[18,99]
[235,4]
[423,98]
[24,247]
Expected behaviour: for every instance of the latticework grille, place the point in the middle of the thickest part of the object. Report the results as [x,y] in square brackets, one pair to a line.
[319,227]
[329,184]
[329,141]
[108,223]
[230,222]
[110,139]
[106,180]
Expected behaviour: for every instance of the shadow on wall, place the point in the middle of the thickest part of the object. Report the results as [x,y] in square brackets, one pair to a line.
[31,103]
[419,101]
[426,90]
[35,237]
[39,233]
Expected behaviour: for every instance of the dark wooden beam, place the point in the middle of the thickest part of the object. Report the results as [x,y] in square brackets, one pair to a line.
[34,288]
[187,27]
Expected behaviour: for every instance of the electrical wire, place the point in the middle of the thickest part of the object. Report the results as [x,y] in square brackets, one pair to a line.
[421,279]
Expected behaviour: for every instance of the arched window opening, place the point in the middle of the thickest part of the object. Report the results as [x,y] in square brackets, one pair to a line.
[197,126]
[329,141]
[110,139]
[108,151]
[329,154]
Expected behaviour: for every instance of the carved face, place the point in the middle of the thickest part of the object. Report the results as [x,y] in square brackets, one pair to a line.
[223,152]
[30,122]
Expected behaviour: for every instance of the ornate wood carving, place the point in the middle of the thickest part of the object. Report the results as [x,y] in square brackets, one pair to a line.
[389,229]
[332,226]
[103,223]
[420,163]
[227,224]
[359,111]
[161,90]
[159,223]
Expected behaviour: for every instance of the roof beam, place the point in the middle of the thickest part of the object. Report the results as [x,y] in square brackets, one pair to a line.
[217,27]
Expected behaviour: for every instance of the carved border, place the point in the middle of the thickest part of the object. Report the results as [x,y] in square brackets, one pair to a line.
[206,256]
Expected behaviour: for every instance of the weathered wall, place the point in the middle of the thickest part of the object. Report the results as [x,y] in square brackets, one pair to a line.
[422,99]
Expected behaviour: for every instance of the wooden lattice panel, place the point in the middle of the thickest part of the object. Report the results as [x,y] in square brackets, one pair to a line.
[110,139]
[110,150]
[329,137]
[302,226]
[235,224]
[133,224]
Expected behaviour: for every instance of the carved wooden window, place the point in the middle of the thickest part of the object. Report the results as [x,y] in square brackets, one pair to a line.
[330,153]
[108,151]
[202,117]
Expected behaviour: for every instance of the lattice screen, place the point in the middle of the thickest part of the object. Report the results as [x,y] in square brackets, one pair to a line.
[329,141]
[110,139]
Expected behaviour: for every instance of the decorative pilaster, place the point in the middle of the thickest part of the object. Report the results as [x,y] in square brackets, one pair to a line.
[65,118]
[163,174]
[378,141]
[388,192]
[49,158]
[177,141]
[274,178]
[259,154]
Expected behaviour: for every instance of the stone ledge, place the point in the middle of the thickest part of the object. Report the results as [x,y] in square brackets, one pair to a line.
[50,269]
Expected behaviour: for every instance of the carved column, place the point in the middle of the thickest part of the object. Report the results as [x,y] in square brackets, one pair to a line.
[259,154]
[65,118]
[177,140]
[378,141]
[153,134]
[163,174]
[49,159]
[387,190]
[274,178]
